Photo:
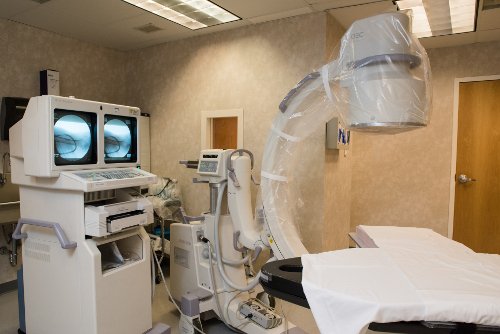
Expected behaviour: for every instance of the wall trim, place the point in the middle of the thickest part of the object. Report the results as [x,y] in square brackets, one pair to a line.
[206,125]
[454,138]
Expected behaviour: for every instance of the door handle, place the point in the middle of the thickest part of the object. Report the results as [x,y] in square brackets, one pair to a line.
[463,179]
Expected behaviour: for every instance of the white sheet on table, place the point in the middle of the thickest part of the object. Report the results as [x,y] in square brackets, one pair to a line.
[424,277]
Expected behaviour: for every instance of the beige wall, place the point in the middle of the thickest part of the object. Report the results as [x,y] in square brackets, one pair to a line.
[404,179]
[251,68]
[337,175]
[86,71]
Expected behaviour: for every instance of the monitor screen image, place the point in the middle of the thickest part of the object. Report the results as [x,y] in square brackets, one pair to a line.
[120,139]
[74,137]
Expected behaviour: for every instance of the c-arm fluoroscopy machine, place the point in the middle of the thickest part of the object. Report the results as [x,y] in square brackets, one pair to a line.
[86,256]
[380,82]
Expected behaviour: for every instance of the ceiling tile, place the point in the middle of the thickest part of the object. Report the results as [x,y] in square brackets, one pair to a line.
[101,12]
[119,33]
[488,35]
[165,36]
[220,27]
[9,8]
[111,23]
[488,19]
[448,40]
[52,16]
[255,8]
[347,15]
[329,4]
[280,15]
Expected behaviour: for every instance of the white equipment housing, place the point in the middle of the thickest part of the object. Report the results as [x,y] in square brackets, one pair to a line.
[239,234]
[86,278]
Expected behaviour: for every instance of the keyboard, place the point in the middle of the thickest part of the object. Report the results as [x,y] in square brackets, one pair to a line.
[105,175]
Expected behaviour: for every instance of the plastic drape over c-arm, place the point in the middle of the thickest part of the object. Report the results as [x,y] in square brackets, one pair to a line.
[307,111]
[380,82]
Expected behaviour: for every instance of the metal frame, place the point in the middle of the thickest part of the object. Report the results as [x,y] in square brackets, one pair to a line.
[206,125]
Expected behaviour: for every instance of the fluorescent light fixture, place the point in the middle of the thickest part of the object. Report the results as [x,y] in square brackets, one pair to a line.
[440,17]
[193,14]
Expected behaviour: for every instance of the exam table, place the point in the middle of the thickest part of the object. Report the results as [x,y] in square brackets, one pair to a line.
[283,279]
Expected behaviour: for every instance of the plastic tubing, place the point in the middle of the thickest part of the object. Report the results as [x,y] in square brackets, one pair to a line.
[233,262]
[216,294]
[218,254]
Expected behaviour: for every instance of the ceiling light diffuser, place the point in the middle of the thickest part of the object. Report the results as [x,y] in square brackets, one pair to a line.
[193,14]
[440,17]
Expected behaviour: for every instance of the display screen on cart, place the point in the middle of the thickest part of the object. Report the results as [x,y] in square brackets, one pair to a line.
[75,137]
[120,139]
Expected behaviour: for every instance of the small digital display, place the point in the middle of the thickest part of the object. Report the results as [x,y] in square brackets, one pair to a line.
[75,137]
[208,166]
[120,139]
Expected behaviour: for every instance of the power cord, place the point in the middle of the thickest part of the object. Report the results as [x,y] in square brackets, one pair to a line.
[165,187]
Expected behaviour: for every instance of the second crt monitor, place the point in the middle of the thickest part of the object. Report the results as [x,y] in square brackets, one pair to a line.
[120,139]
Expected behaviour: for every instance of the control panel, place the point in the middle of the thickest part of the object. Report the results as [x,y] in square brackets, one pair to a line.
[210,161]
[102,179]
[208,167]
[212,165]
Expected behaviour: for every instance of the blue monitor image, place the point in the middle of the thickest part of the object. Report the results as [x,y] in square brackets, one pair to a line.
[75,137]
[120,139]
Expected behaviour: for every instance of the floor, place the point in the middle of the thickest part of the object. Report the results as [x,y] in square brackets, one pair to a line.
[8,313]
[164,311]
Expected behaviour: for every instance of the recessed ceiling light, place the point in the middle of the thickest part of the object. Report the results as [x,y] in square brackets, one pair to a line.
[193,14]
[440,17]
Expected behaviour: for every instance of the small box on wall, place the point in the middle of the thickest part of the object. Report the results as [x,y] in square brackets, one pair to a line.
[337,136]
[49,82]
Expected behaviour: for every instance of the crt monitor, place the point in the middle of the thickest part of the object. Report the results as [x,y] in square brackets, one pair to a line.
[60,134]
[75,137]
[120,139]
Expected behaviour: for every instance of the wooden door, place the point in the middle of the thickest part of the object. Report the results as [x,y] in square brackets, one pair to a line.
[477,194]
[225,132]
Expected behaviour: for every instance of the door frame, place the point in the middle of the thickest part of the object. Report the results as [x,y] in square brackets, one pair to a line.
[454,142]
[206,125]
